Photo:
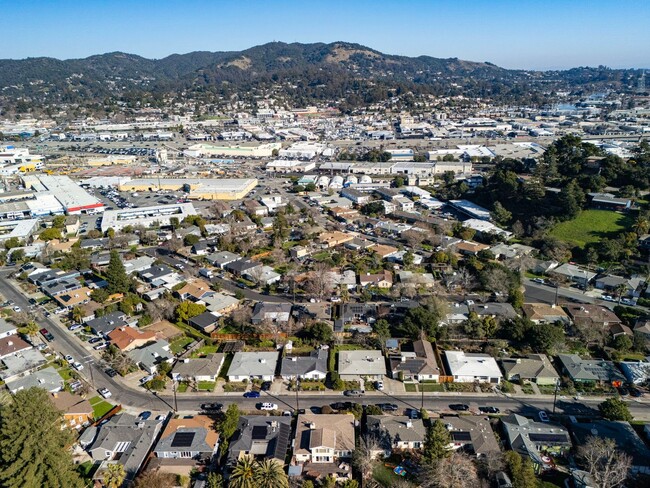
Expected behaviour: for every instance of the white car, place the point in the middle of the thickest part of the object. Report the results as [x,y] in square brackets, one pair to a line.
[268,406]
[69,359]
[17,309]
[105,392]
[78,366]
[379,385]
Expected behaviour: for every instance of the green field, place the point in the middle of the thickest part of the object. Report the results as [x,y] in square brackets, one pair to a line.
[100,407]
[591,226]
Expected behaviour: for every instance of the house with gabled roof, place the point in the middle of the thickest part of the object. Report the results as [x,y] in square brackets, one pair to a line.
[185,443]
[396,433]
[472,367]
[261,437]
[311,367]
[589,370]
[472,434]
[419,365]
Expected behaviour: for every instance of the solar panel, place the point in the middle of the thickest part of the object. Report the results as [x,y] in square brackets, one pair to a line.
[461,436]
[548,438]
[259,432]
[183,439]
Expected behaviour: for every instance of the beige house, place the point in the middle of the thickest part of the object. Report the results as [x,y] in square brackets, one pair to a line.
[544,313]
[322,443]
[536,368]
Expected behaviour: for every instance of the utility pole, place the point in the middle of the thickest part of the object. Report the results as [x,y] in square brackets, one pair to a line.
[175,399]
[557,386]
[297,397]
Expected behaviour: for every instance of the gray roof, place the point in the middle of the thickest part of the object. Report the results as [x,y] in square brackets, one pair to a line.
[481,436]
[261,436]
[207,366]
[126,434]
[301,365]
[108,322]
[253,364]
[156,271]
[532,367]
[48,379]
[361,362]
[272,311]
[500,310]
[222,258]
[22,362]
[391,429]
[151,354]
[204,320]
[519,430]
[590,369]
[6,327]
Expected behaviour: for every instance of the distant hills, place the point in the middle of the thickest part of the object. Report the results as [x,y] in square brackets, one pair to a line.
[350,72]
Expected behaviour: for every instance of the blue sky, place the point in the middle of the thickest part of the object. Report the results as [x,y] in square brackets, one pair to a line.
[532,34]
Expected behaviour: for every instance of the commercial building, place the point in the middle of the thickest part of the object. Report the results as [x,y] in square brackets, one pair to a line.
[289,166]
[160,214]
[236,151]
[20,229]
[196,188]
[471,209]
[73,198]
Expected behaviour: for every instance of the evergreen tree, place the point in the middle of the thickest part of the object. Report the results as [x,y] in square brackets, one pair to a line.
[436,442]
[116,277]
[521,470]
[615,409]
[33,448]
[114,475]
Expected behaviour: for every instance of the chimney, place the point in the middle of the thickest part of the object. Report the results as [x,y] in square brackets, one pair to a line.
[312,426]
[262,360]
[409,424]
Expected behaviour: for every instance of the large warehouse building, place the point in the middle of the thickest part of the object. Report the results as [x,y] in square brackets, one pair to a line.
[160,214]
[237,151]
[71,196]
[196,188]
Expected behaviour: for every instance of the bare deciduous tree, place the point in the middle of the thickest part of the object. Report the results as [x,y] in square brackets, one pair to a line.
[364,459]
[319,284]
[413,237]
[455,471]
[608,467]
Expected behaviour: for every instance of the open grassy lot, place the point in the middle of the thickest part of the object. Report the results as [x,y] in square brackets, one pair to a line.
[100,406]
[177,346]
[591,226]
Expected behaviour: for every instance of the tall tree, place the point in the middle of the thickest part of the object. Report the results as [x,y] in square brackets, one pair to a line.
[456,471]
[228,425]
[436,442]
[33,447]
[114,475]
[521,470]
[116,277]
[608,467]
[615,409]
[269,473]
[243,474]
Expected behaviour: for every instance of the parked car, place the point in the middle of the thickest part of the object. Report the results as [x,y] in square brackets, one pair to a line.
[46,333]
[211,407]
[94,340]
[379,385]
[266,386]
[488,409]
[267,406]
[388,407]
[539,280]
[78,366]
[413,413]
[144,415]
[623,391]
[252,394]
[105,392]
[635,392]
[459,407]
[69,359]
[111,372]
[17,309]
[353,393]
[101,346]
[75,327]
[543,416]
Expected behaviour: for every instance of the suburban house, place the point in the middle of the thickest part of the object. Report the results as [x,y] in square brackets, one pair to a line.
[589,370]
[587,316]
[7,329]
[419,365]
[253,365]
[242,267]
[361,364]
[472,435]
[321,444]
[382,280]
[626,286]
[332,239]
[497,310]
[12,345]
[77,411]
[535,368]
[544,313]
[271,312]
[185,438]
[157,275]
[399,432]
[384,251]
[127,338]
[262,275]
[105,324]
[222,258]
[623,434]
[536,439]
[48,379]
[150,356]
[124,439]
[69,300]
[18,365]
[416,280]
[206,321]
[312,367]
[458,313]
[195,290]
[261,437]
[473,367]
[198,369]
[220,304]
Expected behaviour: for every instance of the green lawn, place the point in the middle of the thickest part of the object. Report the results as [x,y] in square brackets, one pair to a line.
[206,385]
[100,407]
[429,387]
[410,387]
[591,226]
[204,351]
[179,345]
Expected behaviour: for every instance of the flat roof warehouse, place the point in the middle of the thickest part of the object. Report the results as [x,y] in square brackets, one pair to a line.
[206,188]
[72,197]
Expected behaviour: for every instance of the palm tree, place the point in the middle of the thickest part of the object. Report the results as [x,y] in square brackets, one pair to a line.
[641,225]
[269,473]
[77,314]
[29,329]
[114,475]
[243,474]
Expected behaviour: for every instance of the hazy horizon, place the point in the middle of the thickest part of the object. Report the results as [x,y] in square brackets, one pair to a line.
[507,33]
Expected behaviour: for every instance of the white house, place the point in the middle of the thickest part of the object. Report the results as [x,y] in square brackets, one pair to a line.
[473,367]
[253,365]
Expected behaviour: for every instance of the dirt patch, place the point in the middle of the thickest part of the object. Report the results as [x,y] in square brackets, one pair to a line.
[241,63]
[341,53]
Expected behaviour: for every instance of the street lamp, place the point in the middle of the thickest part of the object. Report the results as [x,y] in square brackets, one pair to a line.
[297,397]
[557,387]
